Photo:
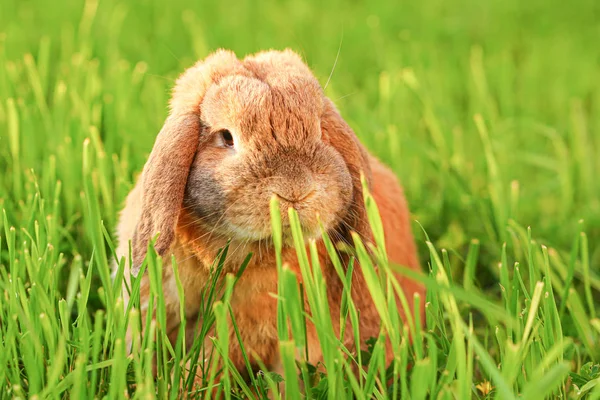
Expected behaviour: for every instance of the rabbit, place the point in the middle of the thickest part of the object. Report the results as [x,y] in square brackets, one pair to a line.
[238,133]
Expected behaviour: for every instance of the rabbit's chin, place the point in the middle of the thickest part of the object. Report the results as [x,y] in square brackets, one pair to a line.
[243,234]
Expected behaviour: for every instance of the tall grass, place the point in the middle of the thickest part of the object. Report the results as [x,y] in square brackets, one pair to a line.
[488,112]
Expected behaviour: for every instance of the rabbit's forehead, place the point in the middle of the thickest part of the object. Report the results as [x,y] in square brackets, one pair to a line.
[250,106]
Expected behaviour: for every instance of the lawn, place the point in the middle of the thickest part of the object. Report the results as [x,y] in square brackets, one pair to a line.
[488,112]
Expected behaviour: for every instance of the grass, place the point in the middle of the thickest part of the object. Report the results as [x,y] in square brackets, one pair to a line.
[489,112]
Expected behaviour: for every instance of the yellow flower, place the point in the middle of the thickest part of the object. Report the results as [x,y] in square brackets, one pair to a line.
[485,387]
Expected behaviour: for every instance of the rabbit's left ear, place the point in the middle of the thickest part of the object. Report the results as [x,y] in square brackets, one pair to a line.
[166,172]
[340,136]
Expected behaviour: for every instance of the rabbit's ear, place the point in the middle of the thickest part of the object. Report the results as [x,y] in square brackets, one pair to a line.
[163,184]
[339,135]
[165,174]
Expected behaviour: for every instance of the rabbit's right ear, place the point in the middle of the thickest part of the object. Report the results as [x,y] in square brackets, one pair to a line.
[163,184]
[165,174]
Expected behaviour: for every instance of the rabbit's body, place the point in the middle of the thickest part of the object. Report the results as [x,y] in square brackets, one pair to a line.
[287,139]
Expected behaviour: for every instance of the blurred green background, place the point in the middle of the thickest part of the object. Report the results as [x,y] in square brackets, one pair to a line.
[410,76]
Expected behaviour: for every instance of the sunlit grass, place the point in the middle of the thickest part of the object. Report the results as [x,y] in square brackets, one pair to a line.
[488,112]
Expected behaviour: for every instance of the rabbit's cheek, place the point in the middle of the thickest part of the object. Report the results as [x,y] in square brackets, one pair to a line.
[204,195]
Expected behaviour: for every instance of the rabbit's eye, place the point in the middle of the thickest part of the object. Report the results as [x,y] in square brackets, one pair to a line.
[227,138]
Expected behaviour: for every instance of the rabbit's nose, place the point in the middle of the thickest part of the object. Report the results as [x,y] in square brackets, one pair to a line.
[293,182]
[293,190]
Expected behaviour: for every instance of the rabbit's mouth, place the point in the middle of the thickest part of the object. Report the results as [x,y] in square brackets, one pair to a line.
[293,200]
[311,226]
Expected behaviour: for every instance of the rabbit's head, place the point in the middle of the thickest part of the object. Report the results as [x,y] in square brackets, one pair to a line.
[240,132]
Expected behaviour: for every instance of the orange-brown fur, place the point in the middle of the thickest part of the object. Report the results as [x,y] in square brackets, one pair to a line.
[277,110]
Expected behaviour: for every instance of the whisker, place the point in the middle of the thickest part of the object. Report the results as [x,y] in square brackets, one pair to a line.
[335,62]
[171,80]
[205,217]
[343,97]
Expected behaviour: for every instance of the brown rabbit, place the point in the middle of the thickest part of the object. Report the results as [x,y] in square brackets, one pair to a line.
[239,132]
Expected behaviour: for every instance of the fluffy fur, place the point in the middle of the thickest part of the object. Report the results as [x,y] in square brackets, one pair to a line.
[198,190]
